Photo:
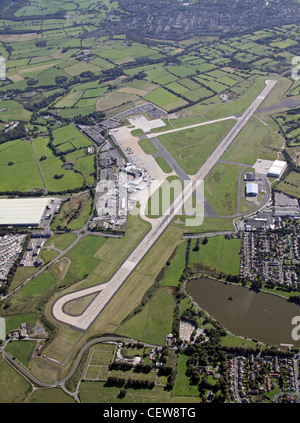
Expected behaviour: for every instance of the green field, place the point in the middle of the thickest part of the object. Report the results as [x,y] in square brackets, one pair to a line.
[14,388]
[176,267]
[254,141]
[182,385]
[191,147]
[21,350]
[154,322]
[221,188]
[82,258]
[98,392]
[290,184]
[218,254]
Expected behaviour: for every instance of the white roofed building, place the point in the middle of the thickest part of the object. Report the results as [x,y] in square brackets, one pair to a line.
[277,169]
[251,189]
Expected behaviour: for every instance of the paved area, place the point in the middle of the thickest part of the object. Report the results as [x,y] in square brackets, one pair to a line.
[190,126]
[109,289]
[140,122]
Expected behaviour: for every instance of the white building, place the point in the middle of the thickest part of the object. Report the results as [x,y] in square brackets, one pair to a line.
[251,190]
[277,169]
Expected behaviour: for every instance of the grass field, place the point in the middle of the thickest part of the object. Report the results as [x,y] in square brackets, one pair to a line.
[182,386]
[147,146]
[176,267]
[191,147]
[21,350]
[163,164]
[23,174]
[98,392]
[210,224]
[154,322]
[14,388]
[218,254]
[254,141]
[61,241]
[82,258]
[290,184]
[27,298]
[52,396]
[221,187]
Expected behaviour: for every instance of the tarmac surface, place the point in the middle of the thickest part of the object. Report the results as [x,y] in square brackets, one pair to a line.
[107,291]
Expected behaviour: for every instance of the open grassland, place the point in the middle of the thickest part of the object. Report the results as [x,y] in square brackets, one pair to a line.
[21,350]
[21,275]
[27,298]
[61,241]
[254,141]
[14,388]
[99,392]
[115,251]
[18,168]
[209,224]
[82,258]
[191,147]
[182,385]
[290,184]
[95,258]
[218,254]
[154,322]
[221,188]
[52,396]
[176,267]
[147,146]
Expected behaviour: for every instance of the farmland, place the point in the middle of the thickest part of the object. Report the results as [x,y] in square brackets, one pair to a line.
[75,64]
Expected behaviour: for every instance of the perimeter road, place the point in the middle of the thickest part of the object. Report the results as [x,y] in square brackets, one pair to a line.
[107,291]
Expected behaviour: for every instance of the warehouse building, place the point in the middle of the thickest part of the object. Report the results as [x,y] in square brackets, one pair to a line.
[23,211]
[249,176]
[277,169]
[251,189]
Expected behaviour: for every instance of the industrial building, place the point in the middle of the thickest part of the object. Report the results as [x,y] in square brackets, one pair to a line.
[23,211]
[249,176]
[251,189]
[277,169]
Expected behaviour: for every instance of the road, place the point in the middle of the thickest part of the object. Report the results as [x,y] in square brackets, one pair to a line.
[61,383]
[107,291]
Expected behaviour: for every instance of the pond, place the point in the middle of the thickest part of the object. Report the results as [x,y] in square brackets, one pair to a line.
[255,315]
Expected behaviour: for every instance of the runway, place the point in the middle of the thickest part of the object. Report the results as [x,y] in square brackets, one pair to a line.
[107,290]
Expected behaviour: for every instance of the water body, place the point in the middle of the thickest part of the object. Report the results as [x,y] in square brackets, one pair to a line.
[261,316]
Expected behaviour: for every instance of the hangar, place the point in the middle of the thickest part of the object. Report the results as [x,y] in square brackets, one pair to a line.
[277,169]
[23,211]
[251,190]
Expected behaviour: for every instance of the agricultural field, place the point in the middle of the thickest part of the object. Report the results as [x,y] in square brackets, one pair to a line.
[63,72]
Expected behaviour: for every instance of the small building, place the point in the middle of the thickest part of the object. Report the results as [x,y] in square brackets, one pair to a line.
[251,189]
[249,176]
